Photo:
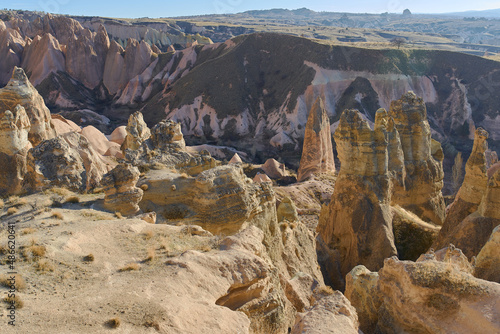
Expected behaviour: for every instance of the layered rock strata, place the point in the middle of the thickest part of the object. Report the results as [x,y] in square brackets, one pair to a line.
[317,151]
[121,193]
[423,158]
[14,145]
[19,91]
[358,226]
[436,294]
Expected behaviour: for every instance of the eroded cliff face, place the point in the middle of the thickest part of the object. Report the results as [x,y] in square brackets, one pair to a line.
[317,152]
[421,192]
[358,224]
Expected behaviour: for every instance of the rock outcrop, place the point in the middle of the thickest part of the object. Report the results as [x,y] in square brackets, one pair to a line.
[220,200]
[471,192]
[168,135]
[137,132]
[19,91]
[332,314]
[287,210]
[66,161]
[317,152]
[259,178]
[487,265]
[358,226]
[423,158]
[436,294]
[475,212]
[121,193]
[235,159]
[274,169]
[14,145]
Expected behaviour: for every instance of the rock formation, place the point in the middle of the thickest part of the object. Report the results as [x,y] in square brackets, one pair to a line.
[14,145]
[331,314]
[63,125]
[235,159]
[423,182]
[358,227]
[487,265]
[259,178]
[137,132]
[121,194]
[471,192]
[287,210]
[98,140]
[274,169]
[168,135]
[436,294]
[220,200]
[475,212]
[317,152]
[66,161]
[20,91]
[118,135]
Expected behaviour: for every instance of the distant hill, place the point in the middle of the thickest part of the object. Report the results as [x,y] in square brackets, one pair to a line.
[478,13]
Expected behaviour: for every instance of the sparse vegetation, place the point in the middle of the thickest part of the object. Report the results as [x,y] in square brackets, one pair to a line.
[27,230]
[12,210]
[151,255]
[148,234]
[73,199]
[19,282]
[130,267]
[16,300]
[58,215]
[114,323]
[34,251]
[89,258]
[44,266]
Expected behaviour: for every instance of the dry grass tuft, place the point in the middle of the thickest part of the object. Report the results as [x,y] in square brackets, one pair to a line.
[12,210]
[89,258]
[324,290]
[130,267]
[73,199]
[35,251]
[44,266]
[152,324]
[113,323]
[151,255]
[118,215]
[59,191]
[57,215]
[16,300]
[18,283]
[184,176]
[28,230]
[148,234]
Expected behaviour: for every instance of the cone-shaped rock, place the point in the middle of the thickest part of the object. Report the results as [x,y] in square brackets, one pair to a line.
[317,152]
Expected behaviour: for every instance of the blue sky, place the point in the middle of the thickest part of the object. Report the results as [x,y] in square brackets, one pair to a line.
[143,8]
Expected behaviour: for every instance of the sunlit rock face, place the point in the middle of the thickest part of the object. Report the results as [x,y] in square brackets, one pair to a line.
[423,181]
[19,91]
[317,152]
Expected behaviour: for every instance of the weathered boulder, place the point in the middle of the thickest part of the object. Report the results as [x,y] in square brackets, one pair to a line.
[63,125]
[358,226]
[470,193]
[168,135]
[220,200]
[490,203]
[65,161]
[20,91]
[317,151]
[14,145]
[259,178]
[332,314]
[423,157]
[362,291]
[118,135]
[488,260]
[287,210]
[435,297]
[121,193]
[137,132]
[235,159]
[97,139]
[274,169]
